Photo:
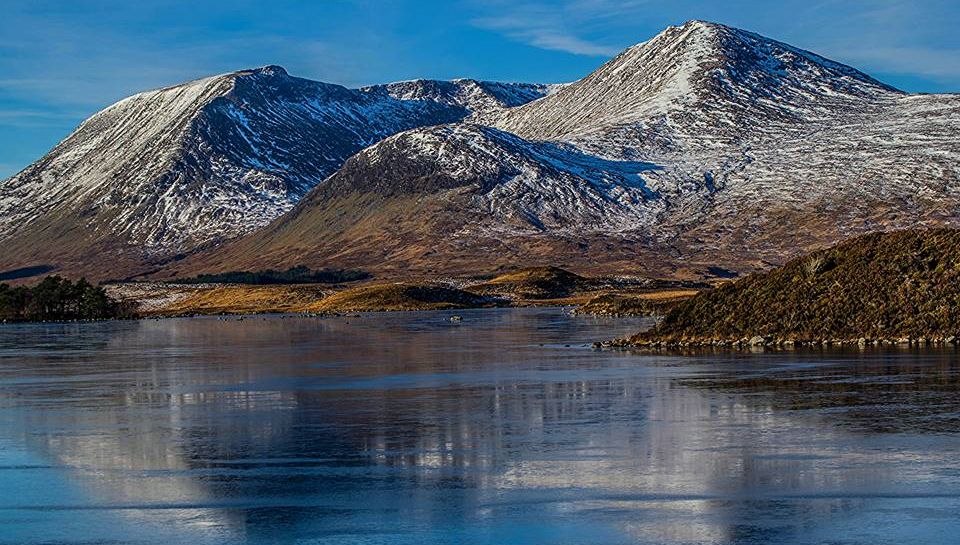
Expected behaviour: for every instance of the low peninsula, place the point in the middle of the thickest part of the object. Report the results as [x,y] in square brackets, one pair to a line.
[891,288]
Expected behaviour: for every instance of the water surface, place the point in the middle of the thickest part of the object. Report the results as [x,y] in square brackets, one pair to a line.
[504,428]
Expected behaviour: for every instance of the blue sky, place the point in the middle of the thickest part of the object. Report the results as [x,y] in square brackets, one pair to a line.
[60,61]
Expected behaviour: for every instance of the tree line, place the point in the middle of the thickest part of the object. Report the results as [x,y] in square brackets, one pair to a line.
[293,275]
[56,298]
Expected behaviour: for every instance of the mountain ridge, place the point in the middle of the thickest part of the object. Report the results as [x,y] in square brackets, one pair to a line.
[703,146]
[688,188]
[171,170]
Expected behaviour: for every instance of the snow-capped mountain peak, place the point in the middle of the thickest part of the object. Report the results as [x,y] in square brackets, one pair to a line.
[705,145]
[721,75]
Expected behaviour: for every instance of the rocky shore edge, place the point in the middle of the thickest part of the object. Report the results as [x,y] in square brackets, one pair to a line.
[774,343]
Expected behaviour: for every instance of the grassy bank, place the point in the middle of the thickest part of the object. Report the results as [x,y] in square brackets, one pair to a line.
[240,299]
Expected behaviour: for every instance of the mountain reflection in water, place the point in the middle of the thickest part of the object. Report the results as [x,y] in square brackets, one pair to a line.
[409,428]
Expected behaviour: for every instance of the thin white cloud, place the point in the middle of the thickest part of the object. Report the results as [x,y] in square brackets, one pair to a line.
[545,37]
[88,66]
[556,26]
[901,37]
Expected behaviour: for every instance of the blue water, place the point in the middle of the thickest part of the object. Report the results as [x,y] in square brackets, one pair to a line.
[505,428]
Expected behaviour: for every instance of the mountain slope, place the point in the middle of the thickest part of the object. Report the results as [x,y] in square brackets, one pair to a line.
[166,171]
[705,146]
[443,198]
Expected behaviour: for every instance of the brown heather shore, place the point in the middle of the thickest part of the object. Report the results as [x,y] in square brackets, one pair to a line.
[537,286]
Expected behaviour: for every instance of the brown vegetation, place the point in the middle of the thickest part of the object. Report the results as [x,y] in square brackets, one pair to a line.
[525,287]
[241,299]
[899,287]
[400,296]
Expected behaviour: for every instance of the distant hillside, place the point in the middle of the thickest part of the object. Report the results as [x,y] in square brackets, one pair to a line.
[705,147]
[293,275]
[883,286]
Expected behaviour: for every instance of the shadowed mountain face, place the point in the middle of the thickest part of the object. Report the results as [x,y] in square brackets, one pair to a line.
[705,146]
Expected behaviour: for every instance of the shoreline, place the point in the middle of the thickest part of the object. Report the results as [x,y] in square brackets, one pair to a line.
[759,342]
[239,316]
[536,287]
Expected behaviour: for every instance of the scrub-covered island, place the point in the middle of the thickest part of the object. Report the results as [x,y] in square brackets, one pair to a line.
[879,289]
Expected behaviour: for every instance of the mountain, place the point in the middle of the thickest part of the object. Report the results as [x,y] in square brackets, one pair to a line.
[446,198]
[705,146]
[699,76]
[167,171]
